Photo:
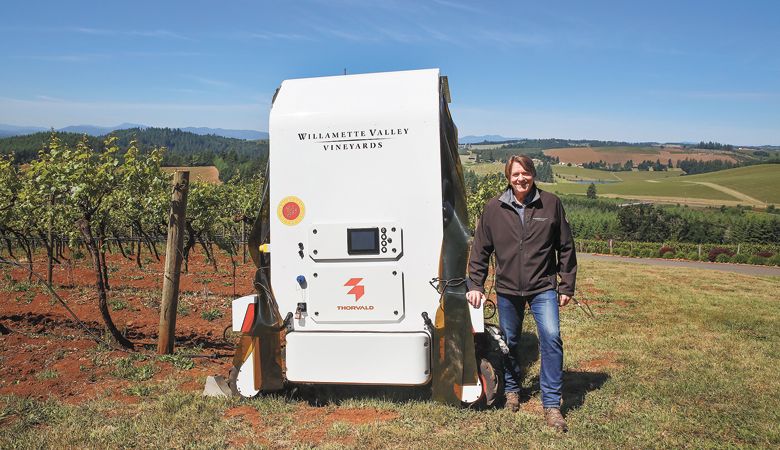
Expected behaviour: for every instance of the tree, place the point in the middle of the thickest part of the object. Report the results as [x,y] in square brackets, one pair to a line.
[591,191]
[489,186]
[82,179]
[643,223]
[544,173]
[10,187]
[142,203]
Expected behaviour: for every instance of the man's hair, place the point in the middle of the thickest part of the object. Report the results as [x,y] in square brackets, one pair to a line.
[524,161]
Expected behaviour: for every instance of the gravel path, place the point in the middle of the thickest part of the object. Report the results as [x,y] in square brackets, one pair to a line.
[771,271]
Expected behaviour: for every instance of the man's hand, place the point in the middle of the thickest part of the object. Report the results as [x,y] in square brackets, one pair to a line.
[563,300]
[475,298]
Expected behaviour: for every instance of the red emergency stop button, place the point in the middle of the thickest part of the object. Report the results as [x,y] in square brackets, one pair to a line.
[290,210]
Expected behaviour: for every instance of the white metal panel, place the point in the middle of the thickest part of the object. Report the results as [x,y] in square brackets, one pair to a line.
[328,242]
[239,310]
[318,129]
[471,392]
[358,358]
[477,316]
[245,381]
[361,294]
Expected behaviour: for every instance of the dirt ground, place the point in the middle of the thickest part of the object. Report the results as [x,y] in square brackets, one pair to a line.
[45,353]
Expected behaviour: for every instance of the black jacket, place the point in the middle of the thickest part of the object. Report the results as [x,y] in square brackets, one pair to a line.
[529,257]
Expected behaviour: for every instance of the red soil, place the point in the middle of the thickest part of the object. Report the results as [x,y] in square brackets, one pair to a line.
[46,353]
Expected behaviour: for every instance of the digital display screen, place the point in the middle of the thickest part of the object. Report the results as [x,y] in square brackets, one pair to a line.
[363,241]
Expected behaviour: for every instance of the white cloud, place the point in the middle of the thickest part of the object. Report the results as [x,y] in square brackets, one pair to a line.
[272,36]
[57,113]
[162,34]
[209,81]
[459,6]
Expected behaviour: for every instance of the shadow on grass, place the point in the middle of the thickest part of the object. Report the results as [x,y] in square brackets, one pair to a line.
[576,384]
[332,394]
[321,395]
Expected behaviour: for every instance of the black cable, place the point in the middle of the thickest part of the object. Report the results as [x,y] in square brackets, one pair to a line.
[436,283]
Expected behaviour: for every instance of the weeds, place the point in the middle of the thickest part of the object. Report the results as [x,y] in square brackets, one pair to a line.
[183,307]
[128,369]
[118,304]
[138,390]
[178,360]
[48,374]
[211,315]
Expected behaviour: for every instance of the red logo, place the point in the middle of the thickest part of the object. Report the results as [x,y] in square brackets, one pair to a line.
[357,290]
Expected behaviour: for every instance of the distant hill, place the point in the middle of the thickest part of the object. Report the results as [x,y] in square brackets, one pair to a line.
[232,157]
[484,138]
[93,130]
[11,130]
[249,135]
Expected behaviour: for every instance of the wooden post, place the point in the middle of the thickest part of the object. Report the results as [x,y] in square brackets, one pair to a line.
[173,258]
[49,250]
[243,241]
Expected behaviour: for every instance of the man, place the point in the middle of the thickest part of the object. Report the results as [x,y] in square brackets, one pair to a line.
[527,229]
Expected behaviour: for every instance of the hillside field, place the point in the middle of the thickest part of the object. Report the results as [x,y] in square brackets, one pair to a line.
[757,185]
[579,155]
[761,181]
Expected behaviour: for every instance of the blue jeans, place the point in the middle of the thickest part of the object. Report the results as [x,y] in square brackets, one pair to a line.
[544,307]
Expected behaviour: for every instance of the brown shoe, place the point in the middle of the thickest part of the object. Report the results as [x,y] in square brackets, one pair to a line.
[512,401]
[555,419]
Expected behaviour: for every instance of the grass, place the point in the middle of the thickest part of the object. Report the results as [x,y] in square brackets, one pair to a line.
[179,360]
[675,358]
[130,369]
[48,374]
[649,185]
[484,168]
[668,185]
[761,181]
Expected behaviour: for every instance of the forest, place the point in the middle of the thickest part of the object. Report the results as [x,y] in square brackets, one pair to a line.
[235,158]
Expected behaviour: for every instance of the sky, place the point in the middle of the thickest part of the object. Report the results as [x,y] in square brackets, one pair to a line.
[664,71]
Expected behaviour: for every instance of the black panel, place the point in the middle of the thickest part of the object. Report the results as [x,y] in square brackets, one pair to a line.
[363,241]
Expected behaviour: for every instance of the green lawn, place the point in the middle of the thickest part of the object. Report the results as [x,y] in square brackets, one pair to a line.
[675,358]
[761,181]
[580,173]
[484,168]
[634,183]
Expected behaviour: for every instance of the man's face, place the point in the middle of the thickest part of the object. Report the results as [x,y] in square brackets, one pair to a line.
[520,180]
